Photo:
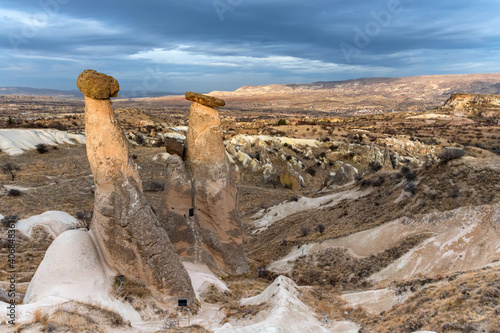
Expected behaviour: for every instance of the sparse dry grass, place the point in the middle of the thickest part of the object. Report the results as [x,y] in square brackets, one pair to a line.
[235,311]
[130,289]
[239,287]
[81,318]
[465,302]
[190,329]
[60,182]
[325,302]
[336,267]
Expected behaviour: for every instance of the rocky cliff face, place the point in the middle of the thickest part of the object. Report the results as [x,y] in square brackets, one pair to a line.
[473,104]
[464,100]
[123,225]
[201,210]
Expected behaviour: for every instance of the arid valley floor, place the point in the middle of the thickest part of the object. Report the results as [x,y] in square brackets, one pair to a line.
[378,212]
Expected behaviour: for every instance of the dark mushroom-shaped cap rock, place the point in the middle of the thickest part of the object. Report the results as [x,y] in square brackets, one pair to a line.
[97,85]
[204,99]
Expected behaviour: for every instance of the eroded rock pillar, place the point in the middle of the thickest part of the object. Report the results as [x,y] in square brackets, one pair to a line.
[211,231]
[123,224]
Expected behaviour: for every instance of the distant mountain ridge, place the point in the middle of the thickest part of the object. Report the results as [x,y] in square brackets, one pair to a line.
[39,92]
[27,91]
[417,93]
[479,83]
[349,97]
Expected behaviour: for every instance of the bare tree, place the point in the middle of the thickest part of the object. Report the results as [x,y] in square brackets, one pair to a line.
[11,169]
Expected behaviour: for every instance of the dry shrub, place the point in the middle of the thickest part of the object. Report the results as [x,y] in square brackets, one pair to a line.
[451,154]
[327,303]
[129,289]
[39,317]
[236,311]
[214,295]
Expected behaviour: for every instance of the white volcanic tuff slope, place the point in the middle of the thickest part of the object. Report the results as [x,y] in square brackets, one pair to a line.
[16,141]
[54,222]
[467,238]
[265,218]
[462,239]
[202,278]
[241,139]
[72,270]
[374,301]
[285,313]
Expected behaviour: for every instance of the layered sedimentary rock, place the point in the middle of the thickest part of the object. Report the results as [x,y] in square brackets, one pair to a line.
[200,209]
[475,105]
[124,226]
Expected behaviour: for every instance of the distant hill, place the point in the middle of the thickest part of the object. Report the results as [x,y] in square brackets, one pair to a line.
[351,97]
[437,85]
[27,91]
[40,92]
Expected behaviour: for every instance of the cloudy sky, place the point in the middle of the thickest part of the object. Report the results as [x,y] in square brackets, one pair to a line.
[204,45]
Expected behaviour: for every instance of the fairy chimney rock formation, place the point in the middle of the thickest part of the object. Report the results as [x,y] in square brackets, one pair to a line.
[124,227]
[210,232]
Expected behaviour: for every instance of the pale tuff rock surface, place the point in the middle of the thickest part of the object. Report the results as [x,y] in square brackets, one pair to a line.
[466,238]
[55,223]
[60,276]
[72,271]
[285,312]
[123,224]
[17,141]
[200,210]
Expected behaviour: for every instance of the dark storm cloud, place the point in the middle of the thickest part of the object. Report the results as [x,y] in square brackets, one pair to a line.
[223,44]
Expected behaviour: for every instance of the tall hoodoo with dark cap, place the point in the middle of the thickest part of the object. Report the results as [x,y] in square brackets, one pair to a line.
[210,232]
[123,225]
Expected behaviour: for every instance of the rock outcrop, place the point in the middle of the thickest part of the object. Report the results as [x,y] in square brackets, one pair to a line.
[124,227]
[200,210]
[473,105]
[291,178]
[346,174]
[468,100]
[174,147]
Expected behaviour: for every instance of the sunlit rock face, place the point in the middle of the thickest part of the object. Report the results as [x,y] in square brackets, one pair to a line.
[124,226]
[209,231]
